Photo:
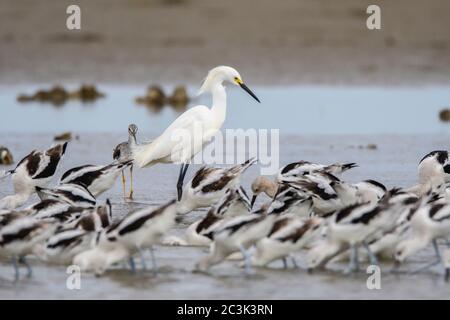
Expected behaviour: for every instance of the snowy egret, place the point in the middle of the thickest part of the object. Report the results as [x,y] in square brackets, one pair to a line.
[187,135]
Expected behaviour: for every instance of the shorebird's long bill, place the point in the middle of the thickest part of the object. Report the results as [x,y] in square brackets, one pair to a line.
[243,86]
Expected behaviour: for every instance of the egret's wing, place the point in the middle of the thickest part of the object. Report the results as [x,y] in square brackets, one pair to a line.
[197,119]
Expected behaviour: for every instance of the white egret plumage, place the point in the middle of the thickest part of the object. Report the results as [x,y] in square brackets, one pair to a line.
[187,135]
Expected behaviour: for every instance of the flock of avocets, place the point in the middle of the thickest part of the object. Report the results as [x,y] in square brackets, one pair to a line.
[309,206]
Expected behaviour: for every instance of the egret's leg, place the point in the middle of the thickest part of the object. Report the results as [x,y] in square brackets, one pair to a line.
[144,265]
[132,265]
[27,265]
[16,268]
[180,182]
[154,266]
[372,258]
[435,262]
[183,169]
[123,185]
[248,268]
[285,265]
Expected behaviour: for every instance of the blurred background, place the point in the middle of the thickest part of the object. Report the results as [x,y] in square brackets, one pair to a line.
[306,59]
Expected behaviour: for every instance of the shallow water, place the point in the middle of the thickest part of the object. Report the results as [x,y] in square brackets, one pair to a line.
[318,124]
[394,163]
[293,110]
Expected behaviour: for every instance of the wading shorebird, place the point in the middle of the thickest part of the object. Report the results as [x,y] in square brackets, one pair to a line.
[123,153]
[35,170]
[187,135]
[97,179]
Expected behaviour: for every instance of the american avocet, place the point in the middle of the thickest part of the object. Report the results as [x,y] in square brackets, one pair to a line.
[264,185]
[236,234]
[429,223]
[290,201]
[324,197]
[234,203]
[20,237]
[447,172]
[370,190]
[123,153]
[294,170]
[35,170]
[97,179]
[73,194]
[361,192]
[288,235]
[384,244]
[65,244]
[55,210]
[95,219]
[350,227]
[209,185]
[197,126]
[431,172]
[136,231]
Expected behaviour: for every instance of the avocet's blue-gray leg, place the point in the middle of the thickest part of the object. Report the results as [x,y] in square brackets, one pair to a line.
[144,265]
[16,268]
[372,258]
[154,264]
[155,267]
[27,265]
[354,261]
[247,259]
[285,265]
[132,265]
[294,261]
[435,262]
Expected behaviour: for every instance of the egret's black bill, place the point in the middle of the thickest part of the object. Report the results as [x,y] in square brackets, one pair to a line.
[243,86]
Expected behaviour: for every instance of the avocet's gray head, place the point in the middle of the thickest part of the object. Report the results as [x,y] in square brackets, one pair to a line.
[218,75]
[132,129]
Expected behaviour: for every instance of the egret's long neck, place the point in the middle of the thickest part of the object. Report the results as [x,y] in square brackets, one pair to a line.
[219,106]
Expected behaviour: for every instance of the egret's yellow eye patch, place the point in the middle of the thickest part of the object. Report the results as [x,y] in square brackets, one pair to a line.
[237,80]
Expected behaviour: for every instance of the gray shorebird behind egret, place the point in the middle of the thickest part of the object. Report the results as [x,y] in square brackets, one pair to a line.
[195,127]
[123,153]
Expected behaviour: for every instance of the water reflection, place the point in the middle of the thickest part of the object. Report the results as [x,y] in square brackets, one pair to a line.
[155,99]
[58,95]
[294,110]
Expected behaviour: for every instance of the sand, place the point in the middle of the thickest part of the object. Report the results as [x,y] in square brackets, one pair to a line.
[270,42]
